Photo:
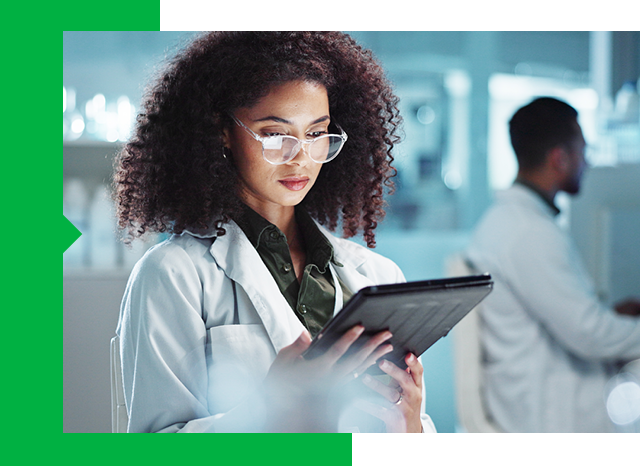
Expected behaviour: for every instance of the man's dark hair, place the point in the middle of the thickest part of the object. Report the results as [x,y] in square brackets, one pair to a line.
[540,126]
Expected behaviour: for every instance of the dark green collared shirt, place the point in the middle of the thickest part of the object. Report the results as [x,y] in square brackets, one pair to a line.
[312,299]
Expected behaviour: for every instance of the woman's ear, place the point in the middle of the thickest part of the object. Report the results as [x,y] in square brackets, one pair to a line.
[226,138]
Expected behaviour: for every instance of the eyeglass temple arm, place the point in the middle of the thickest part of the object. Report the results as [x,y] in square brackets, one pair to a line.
[258,138]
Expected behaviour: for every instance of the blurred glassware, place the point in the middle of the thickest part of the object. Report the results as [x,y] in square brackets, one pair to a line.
[98,119]
[627,104]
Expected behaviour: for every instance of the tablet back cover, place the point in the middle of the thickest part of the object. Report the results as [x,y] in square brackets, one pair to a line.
[417,313]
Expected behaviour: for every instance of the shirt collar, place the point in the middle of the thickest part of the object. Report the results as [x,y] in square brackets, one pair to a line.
[541,194]
[319,249]
[253,225]
[260,231]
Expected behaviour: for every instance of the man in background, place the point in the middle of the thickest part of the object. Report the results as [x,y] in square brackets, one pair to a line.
[549,344]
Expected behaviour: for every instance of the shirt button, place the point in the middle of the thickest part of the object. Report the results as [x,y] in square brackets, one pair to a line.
[274,235]
[302,308]
[286,268]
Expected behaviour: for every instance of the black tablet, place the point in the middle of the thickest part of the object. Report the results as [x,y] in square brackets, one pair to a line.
[417,313]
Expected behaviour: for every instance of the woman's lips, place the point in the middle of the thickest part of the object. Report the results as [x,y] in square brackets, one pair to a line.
[294,183]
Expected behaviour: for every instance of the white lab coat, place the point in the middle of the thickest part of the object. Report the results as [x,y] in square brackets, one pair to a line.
[202,321]
[547,339]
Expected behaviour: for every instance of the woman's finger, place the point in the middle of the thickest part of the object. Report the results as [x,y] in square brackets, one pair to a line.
[295,349]
[372,350]
[301,344]
[371,345]
[416,369]
[402,377]
[391,394]
[371,359]
[340,347]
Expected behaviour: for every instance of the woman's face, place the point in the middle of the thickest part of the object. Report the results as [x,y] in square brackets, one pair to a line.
[295,108]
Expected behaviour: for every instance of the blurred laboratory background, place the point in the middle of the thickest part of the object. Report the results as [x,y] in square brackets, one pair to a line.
[457,90]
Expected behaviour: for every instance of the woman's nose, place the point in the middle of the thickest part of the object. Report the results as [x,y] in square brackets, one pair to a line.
[301,150]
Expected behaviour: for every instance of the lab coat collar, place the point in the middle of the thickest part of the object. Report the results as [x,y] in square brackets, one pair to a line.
[344,252]
[233,251]
[524,194]
[236,256]
[539,192]
[350,259]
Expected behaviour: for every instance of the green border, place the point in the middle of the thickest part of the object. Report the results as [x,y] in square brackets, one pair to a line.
[279,449]
[115,15]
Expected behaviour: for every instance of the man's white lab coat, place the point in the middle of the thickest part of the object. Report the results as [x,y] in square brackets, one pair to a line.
[547,339]
[202,321]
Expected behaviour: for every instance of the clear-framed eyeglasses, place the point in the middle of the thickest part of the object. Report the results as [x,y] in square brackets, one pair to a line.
[281,149]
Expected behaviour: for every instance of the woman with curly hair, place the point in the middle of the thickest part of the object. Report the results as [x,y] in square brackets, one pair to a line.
[249,149]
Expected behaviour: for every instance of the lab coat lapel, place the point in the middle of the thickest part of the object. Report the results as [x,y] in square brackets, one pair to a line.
[235,254]
[351,259]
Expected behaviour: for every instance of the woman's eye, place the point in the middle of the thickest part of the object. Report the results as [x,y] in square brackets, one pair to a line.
[316,134]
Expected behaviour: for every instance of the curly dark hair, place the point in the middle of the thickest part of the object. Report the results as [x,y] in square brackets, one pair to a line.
[172,174]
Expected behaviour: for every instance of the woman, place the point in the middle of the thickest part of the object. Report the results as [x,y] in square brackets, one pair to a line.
[248,144]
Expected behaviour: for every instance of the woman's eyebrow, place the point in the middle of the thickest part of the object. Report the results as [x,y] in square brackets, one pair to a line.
[288,122]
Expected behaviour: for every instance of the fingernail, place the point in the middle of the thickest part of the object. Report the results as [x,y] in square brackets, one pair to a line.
[384,364]
[366,378]
[411,357]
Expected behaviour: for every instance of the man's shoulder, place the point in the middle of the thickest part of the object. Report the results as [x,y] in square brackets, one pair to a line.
[514,221]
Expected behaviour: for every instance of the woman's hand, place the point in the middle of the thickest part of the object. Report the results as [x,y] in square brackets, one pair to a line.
[298,391]
[404,396]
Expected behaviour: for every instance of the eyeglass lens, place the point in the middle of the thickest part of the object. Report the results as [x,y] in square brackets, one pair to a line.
[281,149]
